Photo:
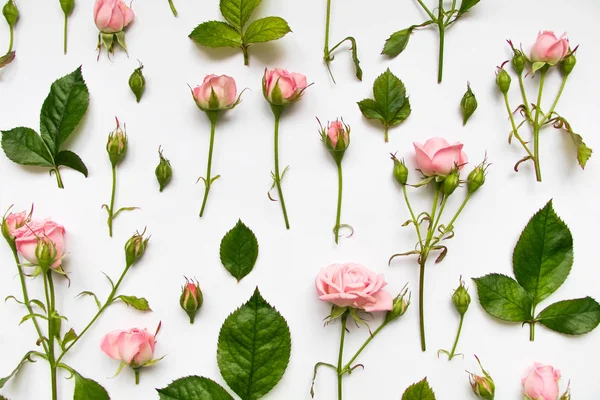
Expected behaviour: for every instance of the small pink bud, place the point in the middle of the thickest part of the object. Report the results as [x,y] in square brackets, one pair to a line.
[112,16]
[216,93]
[281,87]
[12,222]
[191,299]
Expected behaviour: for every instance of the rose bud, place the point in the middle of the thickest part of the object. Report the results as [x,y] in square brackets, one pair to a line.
[112,16]
[503,80]
[476,178]
[483,386]
[549,49]
[399,306]
[12,222]
[336,139]
[451,182]
[137,83]
[568,64]
[461,298]
[567,394]
[191,299]
[281,87]
[216,93]
[438,157]
[163,171]
[67,6]
[541,383]
[135,248]
[400,171]
[116,145]
[11,13]
[41,243]
[468,104]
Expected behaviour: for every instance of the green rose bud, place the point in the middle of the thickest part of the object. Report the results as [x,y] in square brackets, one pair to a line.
[135,248]
[137,83]
[163,171]
[451,182]
[399,307]
[116,145]
[568,63]
[518,61]
[483,386]
[45,253]
[67,6]
[567,394]
[191,299]
[11,13]
[400,171]
[468,104]
[461,298]
[503,80]
[476,178]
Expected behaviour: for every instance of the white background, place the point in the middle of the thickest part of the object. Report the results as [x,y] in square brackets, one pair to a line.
[182,244]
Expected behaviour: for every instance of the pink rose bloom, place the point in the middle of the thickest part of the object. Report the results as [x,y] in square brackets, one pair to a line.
[291,85]
[438,157]
[549,49]
[224,88]
[541,383]
[134,347]
[336,131]
[14,221]
[352,285]
[112,16]
[28,236]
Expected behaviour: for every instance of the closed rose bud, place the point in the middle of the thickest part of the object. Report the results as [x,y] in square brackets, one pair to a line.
[568,64]
[67,6]
[11,13]
[503,80]
[566,395]
[468,104]
[461,298]
[400,171]
[137,82]
[339,135]
[518,61]
[216,93]
[483,386]
[45,252]
[191,299]
[541,383]
[116,145]
[135,248]
[281,87]
[41,243]
[476,178]
[163,171]
[399,306]
[549,49]
[12,222]
[451,182]
[112,16]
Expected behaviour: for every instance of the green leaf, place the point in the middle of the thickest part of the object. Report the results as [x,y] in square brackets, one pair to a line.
[63,109]
[238,12]
[239,250]
[402,113]
[397,42]
[583,152]
[419,391]
[468,104]
[466,5]
[216,34]
[69,337]
[193,388]
[7,59]
[26,358]
[88,293]
[536,66]
[543,256]
[266,29]
[370,109]
[253,348]
[24,146]
[87,389]
[571,317]
[136,302]
[71,160]
[503,298]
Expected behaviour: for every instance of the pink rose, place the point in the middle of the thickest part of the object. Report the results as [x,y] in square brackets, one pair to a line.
[134,347]
[352,285]
[14,221]
[438,157]
[337,130]
[28,236]
[549,49]
[541,383]
[224,88]
[112,16]
[290,84]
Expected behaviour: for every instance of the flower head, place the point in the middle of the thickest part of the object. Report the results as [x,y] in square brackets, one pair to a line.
[281,87]
[438,157]
[216,93]
[541,382]
[550,49]
[43,238]
[112,16]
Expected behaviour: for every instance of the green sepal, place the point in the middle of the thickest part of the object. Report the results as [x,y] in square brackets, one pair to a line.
[121,39]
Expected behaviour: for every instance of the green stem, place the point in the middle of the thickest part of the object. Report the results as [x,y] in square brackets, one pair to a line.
[412,214]
[340,373]
[536,128]
[173,9]
[460,325]
[531,331]
[524,95]
[277,113]
[441,28]
[108,302]
[10,43]
[348,366]
[327,22]
[339,202]
[50,296]
[462,207]
[246,57]
[58,178]
[560,91]
[137,376]
[431,229]
[111,210]
[514,128]
[65,34]
[427,10]
[437,220]
[386,136]
[422,261]
[213,122]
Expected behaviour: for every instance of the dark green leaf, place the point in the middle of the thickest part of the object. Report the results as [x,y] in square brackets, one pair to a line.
[503,298]
[87,389]
[253,348]
[63,109]
[136,302]
[71,160]
[239,250]
[419,391]
[69,337]
[25,359]
[193,388]
[543,256]
[370,109]
[216,34]
[7,59]
[402,113]
[468,104]
[238,12]
[266,29]
[466,5]
[397,42]
[572,317]
[24,146]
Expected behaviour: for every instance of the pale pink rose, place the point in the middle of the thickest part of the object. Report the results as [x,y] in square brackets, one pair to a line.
[336,131]
[541,383]
[224,88]
[134,347]
[549,49]
[291,85]
[14,221]
[438,157]
[352,285]
[112,16]
[27,237]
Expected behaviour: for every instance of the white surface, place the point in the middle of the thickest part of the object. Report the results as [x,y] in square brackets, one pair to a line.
[182,244]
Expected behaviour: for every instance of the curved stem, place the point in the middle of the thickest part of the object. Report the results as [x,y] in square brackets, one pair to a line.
[437,220]
[348,366]
[339,202]
[50,296]
[341,355]
[462,206]
[277,175]
[452,10]
[536,129]
[427,10]
[460,325]
[10,43]
[441,28]
[58,178]
[560,91]
[173,9]
[524,95]
[111,210]
[65,34]
[207,182]
[514,128]
[412,214]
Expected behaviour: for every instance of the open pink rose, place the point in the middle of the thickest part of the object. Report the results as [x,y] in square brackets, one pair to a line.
[290,84]
[352,285]
[225,92]
[541,383]
[14,221]
[112,16]
[337,130]
[28,236]
[549,49]
[134,347]
[438,157]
